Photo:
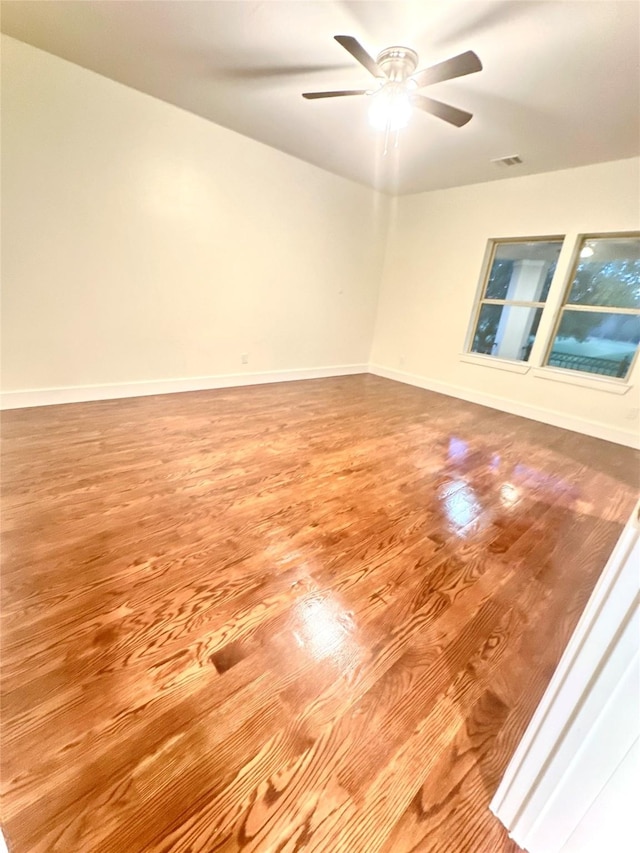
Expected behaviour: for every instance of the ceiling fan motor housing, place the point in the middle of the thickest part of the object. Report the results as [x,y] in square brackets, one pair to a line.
[398,63]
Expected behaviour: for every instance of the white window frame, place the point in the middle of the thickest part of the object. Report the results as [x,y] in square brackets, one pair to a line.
[492,246]
[599,309]
[552,311]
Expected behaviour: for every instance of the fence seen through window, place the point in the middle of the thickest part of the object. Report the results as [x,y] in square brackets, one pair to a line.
[598,329]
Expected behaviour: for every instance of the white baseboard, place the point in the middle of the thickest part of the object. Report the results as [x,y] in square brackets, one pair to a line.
[87,393]
[504,404]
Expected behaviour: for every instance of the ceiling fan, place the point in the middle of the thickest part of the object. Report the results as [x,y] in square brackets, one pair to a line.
[395,69]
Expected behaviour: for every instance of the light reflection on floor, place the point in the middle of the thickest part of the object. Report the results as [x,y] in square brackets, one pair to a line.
[458,450]
[461,507]
[325,629]
[509,495]
[461,502]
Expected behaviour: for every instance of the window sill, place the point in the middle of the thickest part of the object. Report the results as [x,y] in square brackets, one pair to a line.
[496,363]
[572,377]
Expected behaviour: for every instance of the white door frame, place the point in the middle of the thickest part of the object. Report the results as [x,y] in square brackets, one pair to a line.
[587,726]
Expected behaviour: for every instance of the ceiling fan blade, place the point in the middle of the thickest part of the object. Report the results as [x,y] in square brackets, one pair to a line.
[457,66]
[358,52]
[312,95]
[444,111]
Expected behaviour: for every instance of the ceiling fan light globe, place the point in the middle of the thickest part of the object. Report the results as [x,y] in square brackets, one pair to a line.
[390,108]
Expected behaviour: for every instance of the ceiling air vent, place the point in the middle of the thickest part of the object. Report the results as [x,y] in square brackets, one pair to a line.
[512,160]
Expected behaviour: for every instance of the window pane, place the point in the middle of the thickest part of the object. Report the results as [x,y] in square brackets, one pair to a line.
[506,331]
[499,278]
[608,273]
[596,342]
[522,271]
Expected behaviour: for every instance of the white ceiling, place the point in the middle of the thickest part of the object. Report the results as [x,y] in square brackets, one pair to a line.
[560,85]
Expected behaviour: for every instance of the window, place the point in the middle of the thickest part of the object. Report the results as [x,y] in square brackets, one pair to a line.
[598,329]
[513,298]
[596,325]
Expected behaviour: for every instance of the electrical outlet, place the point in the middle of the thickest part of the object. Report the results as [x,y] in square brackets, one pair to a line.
[633,414]
[244,358]
[401,361]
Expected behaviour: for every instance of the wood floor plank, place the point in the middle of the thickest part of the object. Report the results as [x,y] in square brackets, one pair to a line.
[309,616]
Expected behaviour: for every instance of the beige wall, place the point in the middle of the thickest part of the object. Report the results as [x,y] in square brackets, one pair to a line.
[435,252]
[141,242]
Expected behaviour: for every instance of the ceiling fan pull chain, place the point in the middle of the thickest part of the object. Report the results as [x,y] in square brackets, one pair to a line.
[386,139]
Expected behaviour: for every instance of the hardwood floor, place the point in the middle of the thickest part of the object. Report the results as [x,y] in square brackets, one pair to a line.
[309,616]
